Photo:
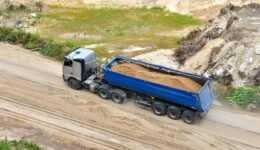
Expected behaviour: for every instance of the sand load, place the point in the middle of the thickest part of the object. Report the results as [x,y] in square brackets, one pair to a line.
[141,72]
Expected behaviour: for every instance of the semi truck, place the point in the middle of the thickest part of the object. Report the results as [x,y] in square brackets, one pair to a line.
[80,70]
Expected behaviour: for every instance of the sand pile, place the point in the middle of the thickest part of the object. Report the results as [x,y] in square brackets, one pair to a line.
[157,77]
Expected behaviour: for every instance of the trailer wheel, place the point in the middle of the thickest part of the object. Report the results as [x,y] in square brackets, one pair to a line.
[174,112]
[159,108]
[103,93]
[118,96]
[189,117]
[74,84]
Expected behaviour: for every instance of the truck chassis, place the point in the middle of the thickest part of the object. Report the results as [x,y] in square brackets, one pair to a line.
[96,84]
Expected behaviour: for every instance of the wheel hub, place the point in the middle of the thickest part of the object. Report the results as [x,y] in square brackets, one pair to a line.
[157,110]
[187,118]
[173,114]
[103,93]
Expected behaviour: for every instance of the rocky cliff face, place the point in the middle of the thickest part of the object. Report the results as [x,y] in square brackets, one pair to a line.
[227,49]
[199,8]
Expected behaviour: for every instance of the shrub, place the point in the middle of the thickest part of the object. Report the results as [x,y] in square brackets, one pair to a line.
[158,8]
[17,37]
[245,95]
[19,145]
[39,15]
[119,33]
[31,41]
[70,43]
[50,38]
[23,7]
[13,9]
[30,45]
[10,7]
[4,32]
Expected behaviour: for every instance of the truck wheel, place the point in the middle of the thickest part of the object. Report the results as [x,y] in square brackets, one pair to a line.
[118,96]
[188,116]
[174,112]
[159,108]
[74,84]
[103,93]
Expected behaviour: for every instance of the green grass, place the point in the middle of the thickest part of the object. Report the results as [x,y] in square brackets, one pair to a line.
[121,27]
[242,96]
[118,28]
[245,95]
[19,145]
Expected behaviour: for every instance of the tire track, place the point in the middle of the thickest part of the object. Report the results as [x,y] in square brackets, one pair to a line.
[56,128]
[88,126]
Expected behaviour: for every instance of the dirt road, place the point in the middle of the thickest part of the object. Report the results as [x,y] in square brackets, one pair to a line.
[32,90]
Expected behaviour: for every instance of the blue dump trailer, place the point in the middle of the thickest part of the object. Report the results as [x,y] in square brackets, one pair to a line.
[163,100]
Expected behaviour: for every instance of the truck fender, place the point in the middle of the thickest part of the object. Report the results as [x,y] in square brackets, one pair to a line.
[105,87]
[121,92]
[74,83]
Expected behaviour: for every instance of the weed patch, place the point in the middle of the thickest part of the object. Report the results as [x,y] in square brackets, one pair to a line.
[245,95]
[17,9]
[19,145]
[46,46]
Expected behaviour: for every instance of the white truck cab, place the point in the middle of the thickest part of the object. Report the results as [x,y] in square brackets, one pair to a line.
[79,65]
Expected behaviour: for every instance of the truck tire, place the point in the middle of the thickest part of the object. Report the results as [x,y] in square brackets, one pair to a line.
[159,108]
[118,96]
[189,117]
[74,84]
[103,93]
[174,112]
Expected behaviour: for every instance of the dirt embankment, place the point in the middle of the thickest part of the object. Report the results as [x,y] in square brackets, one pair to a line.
[227,49]
[157,77]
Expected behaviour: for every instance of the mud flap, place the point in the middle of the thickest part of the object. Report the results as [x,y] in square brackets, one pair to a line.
[198,118]
[202,114]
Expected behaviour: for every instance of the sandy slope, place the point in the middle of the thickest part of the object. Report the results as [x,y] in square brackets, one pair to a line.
[35,80]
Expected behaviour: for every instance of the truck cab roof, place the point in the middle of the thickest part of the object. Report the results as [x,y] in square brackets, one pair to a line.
[80,53]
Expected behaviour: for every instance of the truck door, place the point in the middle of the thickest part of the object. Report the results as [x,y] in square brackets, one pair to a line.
[77,70]
[67,69]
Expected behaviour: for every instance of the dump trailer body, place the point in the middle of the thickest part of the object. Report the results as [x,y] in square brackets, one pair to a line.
[198,101]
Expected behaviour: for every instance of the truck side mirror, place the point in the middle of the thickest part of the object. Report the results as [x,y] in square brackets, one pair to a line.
[99,67]
[67,62]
